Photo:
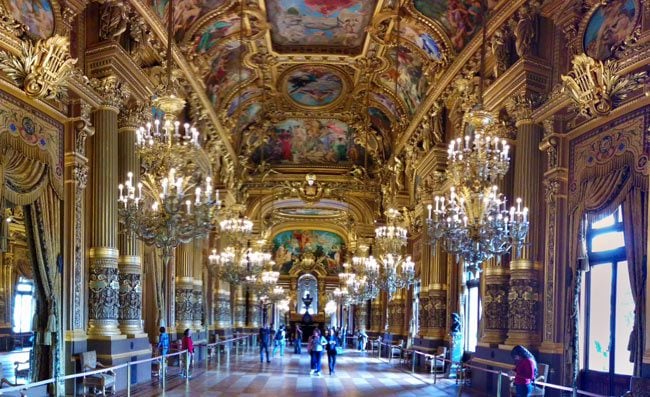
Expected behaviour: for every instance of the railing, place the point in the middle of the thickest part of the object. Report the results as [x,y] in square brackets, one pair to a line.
[162,360]
[462,368]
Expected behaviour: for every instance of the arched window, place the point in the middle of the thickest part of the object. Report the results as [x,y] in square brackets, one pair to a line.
[607,307]
[23,305]
[472,312]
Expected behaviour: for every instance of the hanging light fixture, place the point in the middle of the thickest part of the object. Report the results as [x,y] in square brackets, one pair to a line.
[473,220]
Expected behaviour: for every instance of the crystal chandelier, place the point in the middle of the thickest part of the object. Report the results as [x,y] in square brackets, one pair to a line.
[264,281]
[330,308]
[472,220]
[229,265]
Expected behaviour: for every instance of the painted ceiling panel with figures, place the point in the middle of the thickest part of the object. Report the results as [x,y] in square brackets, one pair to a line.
[293,70]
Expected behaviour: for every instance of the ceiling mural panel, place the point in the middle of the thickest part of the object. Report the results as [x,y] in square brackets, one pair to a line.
[327,248]
[242,97]
[299,25]
[313,86]
[309,212]
[225,71]
[206,41]
[186,12]
[462,19]
[609,26]
[423,40]
[385,101]
[37,15]
[310,141]
[412,85]
[379,121]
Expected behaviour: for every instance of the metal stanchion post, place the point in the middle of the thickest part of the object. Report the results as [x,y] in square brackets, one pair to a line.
[413,361]
[128,380]
[435,374]
[236,347]
[187,366]
[499,384]
[163,371]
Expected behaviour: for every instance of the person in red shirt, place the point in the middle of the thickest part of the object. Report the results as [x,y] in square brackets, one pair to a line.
[525,370]
[188,344]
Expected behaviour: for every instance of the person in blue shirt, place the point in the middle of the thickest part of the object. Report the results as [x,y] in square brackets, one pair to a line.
[332,343]
[163,342]
[265,340]
[280,341]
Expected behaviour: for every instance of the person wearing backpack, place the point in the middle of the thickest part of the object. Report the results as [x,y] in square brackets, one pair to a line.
[332,343]
[280,341]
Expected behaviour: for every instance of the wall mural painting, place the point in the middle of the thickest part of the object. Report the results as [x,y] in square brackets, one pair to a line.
[460,18]
[37,15]
[328,249]
[385,101]
[238,99]
[412,85]
[206,41]
[186,12]
[224,71]
[609,26]
[423,41]
[339,23]
[309,212]
[314,86]
[311,141]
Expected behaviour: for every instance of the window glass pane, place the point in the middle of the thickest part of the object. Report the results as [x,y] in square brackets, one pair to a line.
[599,317]
[472,327]
[583,328]
[605,222]
[23,313]
[24,287]
[607,241]
[624,320]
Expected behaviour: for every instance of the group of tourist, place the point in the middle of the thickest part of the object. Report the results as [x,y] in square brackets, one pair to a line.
[186,344]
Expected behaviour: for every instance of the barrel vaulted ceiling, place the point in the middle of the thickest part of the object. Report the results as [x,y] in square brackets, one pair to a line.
[293,89]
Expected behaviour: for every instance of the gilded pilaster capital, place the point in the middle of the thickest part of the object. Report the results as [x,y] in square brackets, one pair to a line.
[134,116]
[112,90]
[551,188]
[80,175]
[521,107]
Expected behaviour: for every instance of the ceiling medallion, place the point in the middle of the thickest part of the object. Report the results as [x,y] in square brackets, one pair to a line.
[313,87]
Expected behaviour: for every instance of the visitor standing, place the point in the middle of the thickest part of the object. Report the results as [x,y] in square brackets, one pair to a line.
[265,339]
[297,342]
[332,344]
[524,371]
[163,342]
[363,340]
[187,344]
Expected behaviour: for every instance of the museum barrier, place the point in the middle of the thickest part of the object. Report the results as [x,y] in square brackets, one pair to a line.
[241,344]
[409,357]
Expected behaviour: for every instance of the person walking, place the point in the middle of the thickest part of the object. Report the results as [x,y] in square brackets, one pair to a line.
[524,371]
[265,339]
[318,344]
[280,341]
[297,342]
[332,344]
[187,344]
[363,340]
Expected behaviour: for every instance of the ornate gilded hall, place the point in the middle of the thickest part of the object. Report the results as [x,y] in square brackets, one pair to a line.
[434,182]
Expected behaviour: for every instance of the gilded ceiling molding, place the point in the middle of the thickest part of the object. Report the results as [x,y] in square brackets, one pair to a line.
[41,68]
[160,31]
[496,20]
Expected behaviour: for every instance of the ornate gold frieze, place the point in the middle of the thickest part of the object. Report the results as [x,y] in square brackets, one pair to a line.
[42,67]
[596,87]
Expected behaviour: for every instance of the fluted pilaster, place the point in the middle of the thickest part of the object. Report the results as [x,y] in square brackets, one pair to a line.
[239,307]
[184,293]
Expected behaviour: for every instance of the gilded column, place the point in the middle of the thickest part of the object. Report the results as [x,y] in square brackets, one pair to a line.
[254,312]
[197,312]
[438,295]
[221,305]
[184,288]
[376,324]
[130,259]
[361,314]
[239,307]
[496,285]
[103,283]
[523,296]
[555,197]
[76,169]
[395,313]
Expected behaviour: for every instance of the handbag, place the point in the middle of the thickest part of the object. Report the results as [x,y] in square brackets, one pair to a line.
[339,350]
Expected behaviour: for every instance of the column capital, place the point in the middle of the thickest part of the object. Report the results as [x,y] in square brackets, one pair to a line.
[113,90]
[134,116]
[521,106]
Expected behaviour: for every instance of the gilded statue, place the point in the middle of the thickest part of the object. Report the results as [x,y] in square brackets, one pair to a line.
[501,52]
[113,20]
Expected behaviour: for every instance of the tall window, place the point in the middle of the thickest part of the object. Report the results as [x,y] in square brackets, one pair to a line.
[23,305]
[472,313]
[415,316]
[607,304]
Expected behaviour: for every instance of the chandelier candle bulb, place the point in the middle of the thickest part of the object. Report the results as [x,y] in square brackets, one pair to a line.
[157,125]
[429,208]
[188,203]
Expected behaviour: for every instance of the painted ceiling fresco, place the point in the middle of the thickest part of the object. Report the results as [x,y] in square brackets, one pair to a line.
[242,97]
[327,248]
[462,19]
[35,14]
[225,71]
[309,212]
[298,24]
[311,141]
[313,86]
[186,12]
[412,85]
